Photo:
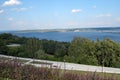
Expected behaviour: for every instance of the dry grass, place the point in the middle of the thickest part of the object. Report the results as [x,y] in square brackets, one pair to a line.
[15,71]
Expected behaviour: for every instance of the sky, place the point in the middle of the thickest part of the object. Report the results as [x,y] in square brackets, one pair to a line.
[58,14]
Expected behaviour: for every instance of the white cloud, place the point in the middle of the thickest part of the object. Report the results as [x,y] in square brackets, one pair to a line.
[1,11]
[76,10]
[11,2]
[19,9]
[104,15]
[10,19]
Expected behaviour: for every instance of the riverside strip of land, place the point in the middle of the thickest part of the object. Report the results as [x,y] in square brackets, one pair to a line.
[63,65]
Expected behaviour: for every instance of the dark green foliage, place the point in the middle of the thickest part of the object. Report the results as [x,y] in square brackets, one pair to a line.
[9,38]
[31,46]
[13,51]
[40,54]
[60,50]
[55,48]
[80,50]
[3,47]
[108,52]
[84,51]
[48,46]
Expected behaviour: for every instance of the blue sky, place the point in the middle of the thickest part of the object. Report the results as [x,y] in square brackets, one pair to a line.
[57,14]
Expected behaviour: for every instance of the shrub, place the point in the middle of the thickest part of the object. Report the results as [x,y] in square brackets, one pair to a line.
[14,70]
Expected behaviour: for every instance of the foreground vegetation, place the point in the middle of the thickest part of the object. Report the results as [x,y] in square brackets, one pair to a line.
[80,50]
[14,70]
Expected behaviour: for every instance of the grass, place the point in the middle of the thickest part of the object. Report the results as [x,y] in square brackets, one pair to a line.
[22,61]
[12,70]
[4,58]
[4,78]
[98,73]
[38,62]
[13,59]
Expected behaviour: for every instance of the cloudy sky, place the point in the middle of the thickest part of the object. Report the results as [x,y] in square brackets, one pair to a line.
[55,14]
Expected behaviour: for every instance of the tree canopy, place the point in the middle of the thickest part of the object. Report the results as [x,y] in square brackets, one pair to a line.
[80,50]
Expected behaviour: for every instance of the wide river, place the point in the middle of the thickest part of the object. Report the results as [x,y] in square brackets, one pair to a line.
[68,36]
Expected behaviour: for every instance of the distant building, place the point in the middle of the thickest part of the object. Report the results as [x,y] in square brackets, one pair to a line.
[13,45]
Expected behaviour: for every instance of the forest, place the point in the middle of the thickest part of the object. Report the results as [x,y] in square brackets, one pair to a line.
[80,50]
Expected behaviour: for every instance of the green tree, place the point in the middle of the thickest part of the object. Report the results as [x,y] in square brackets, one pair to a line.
[61,50]
[82,50]
[3,47]
[106,52]
[40,54]
[31,46]
[13,51]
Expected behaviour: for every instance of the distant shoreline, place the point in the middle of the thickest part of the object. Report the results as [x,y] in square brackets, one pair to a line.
[99,29]
[102,29]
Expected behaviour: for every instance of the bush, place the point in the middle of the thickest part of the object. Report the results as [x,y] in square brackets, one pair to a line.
[14,70]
